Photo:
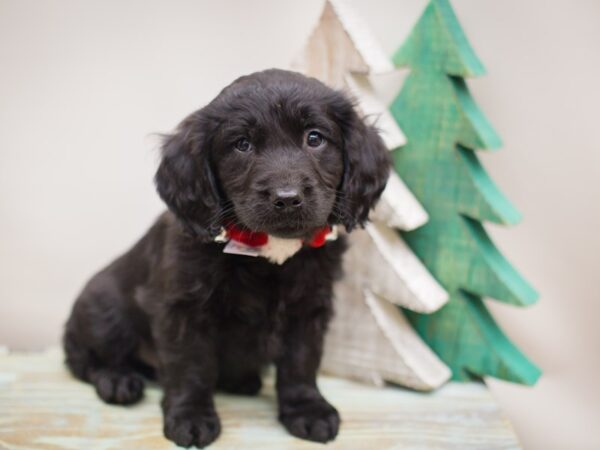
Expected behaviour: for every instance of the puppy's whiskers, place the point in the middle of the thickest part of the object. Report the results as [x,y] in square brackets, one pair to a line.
[227,212]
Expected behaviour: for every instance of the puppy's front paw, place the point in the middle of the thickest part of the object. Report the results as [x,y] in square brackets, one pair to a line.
[192,428]
[118,388]
[314,419]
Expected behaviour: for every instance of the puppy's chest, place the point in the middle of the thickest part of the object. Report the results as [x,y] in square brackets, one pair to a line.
[252,316]
[252,298]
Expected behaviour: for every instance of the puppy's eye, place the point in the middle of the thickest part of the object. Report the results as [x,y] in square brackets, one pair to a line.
[314,139]
[243,145]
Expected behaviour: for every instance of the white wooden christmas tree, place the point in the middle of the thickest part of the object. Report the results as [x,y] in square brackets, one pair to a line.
[369,338]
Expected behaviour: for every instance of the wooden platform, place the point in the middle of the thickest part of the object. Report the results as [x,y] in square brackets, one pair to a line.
[43,407]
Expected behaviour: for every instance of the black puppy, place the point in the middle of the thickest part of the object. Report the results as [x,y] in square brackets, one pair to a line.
[275,157]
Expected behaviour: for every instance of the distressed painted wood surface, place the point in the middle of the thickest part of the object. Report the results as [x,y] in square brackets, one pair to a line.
[363,343]
[374,110]
[444,127]
[398,207]
[381,260]
[43,407]
[378,344]
[341,43]
[342,53]
[369,339]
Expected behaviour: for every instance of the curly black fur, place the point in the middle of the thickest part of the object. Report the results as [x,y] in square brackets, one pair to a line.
[208,320]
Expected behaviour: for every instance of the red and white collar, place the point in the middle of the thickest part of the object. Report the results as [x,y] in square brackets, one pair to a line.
[275,249]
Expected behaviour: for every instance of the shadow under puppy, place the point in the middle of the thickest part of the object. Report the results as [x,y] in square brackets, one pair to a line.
[275,159]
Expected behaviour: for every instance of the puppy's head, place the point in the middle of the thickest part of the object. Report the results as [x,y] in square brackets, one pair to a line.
[275,152]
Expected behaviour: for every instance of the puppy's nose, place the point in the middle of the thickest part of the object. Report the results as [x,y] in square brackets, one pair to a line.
[287,199]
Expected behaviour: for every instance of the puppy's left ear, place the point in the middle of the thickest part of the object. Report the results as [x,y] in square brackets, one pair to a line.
[367,166]
[185,180]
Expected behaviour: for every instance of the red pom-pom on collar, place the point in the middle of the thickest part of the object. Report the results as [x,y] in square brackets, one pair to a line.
[320,237]
[250,238]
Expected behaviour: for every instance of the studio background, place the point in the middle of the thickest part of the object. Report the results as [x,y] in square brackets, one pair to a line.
[85,87]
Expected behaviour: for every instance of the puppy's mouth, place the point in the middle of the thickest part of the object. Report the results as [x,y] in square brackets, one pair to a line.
[291,232]
[289,227]
[297,227]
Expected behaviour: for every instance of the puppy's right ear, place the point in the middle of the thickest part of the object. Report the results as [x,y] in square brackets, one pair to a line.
[185,181]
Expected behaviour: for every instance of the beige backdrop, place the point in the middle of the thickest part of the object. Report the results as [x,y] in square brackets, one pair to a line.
[83,85]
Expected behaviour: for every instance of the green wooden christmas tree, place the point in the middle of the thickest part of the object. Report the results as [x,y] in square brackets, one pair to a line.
[444,126]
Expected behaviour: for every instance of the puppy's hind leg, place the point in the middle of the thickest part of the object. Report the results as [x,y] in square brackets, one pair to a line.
[100,346]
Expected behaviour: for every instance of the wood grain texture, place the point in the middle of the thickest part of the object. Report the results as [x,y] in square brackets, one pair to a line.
[341,43]
[374,111]
[342,53]
[43,407]
[369,339]
[444,126]
[380,345]
[438,43]
[398,207]
[391,269]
